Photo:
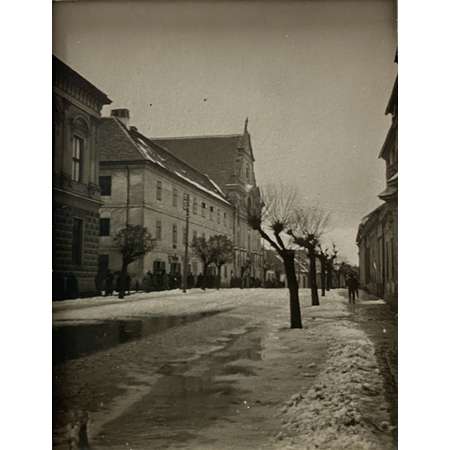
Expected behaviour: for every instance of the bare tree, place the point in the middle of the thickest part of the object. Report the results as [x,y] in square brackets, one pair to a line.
[308,226]
[133,242]
[272,209]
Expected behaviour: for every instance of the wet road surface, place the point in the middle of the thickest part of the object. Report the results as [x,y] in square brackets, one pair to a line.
[76,340]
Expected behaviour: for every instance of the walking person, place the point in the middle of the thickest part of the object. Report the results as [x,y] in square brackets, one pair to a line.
[350,281]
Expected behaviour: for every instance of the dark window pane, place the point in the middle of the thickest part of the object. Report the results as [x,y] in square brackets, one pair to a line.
[77,241]
[104,227]
[105,185]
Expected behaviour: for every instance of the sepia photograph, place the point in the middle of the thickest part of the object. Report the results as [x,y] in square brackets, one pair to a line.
[224,225]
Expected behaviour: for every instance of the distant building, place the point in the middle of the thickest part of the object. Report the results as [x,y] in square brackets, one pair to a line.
[142,182]
[228,161]
[77,104]
[378,234]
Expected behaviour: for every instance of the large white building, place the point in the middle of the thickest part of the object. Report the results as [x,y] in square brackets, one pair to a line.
[144,182]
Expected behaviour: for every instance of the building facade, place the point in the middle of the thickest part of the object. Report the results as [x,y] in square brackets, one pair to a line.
[228,161]
[142,183]
[378,233]
[77,105]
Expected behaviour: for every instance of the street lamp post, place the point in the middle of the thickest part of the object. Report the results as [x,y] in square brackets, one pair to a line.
[186,242]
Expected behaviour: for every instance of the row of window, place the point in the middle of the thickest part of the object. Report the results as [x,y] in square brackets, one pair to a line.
[212,214]
[105,190]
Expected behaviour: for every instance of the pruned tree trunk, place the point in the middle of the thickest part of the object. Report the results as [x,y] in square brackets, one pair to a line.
[312,279]
[323,280]
[329,279]
[289,265]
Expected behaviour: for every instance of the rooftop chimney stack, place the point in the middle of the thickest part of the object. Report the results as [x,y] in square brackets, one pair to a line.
[123,114]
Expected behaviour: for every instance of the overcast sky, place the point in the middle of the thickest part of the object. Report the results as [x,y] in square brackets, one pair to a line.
[313,77]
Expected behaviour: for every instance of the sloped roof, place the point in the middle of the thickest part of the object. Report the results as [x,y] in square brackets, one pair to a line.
[119,143]
[213,155]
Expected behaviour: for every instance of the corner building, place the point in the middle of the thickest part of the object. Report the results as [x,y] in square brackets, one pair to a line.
[77,104]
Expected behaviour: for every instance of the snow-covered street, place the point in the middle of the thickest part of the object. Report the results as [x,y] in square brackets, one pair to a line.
[222,369]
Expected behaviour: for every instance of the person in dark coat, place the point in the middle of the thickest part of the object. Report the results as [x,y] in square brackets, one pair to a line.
[351,285]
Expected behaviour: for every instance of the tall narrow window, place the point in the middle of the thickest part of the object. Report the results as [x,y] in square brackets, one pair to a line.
[225,219]
[218,216]
[175,197]
[77,152]
[174,235]
[77,241]
[203,209]
[105,185]
[158,232]
[211,213]
[105,224]
[159,190]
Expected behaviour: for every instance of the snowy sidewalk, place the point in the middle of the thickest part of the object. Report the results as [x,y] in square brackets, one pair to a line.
[346,407]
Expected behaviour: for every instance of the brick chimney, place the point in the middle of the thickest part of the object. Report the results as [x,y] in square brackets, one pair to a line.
[123,114]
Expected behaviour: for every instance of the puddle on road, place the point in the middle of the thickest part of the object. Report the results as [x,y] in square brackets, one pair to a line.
[74,341]
[180,404]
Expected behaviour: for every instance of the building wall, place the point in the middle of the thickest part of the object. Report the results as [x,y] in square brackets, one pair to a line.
[146,209]
[378,255]
[74,200]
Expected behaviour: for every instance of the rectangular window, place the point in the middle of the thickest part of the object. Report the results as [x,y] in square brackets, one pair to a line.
[211,213]
[158,232]
[175,197]
[218,216]
[174,235]
[203,209]
[105,224]
[195,206]
[159,190]
[77,241]
[77,152]
[159,266]
[105,185]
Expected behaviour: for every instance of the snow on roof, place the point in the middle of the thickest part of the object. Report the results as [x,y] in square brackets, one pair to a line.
[159,155]
[215,185]
[199,186]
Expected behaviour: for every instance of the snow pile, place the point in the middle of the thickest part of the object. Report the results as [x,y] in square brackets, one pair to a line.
[335,412]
